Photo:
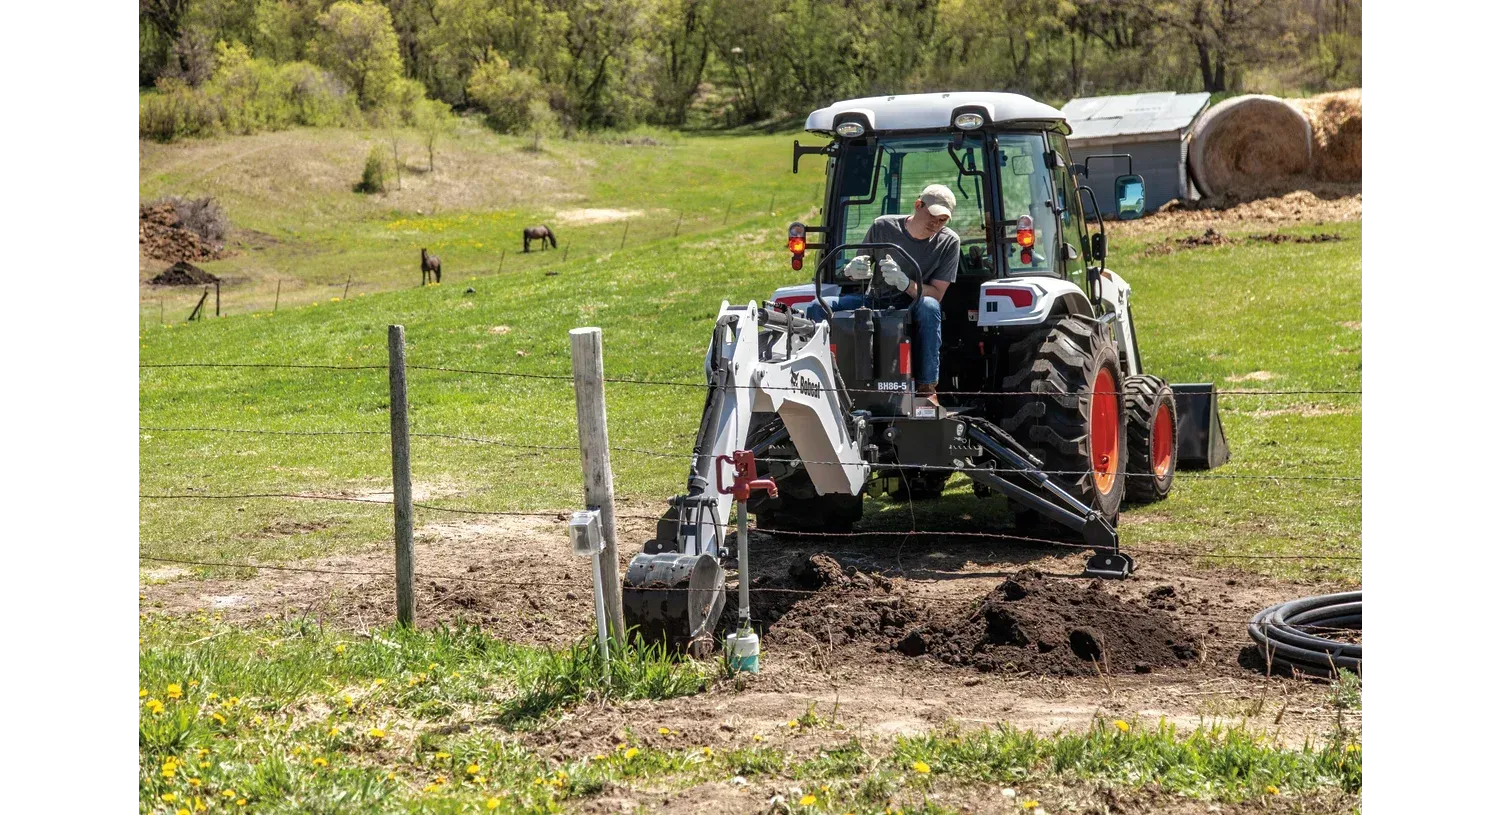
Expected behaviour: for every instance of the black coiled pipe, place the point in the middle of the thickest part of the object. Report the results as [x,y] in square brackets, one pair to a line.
[1289,634]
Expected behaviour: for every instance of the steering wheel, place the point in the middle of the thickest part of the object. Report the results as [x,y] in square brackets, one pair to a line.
[834,252]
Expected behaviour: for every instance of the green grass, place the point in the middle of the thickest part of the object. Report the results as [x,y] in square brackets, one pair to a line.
[289,717]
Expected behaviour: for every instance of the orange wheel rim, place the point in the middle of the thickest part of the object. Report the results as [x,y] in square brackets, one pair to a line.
[1104,431]
[1161,440]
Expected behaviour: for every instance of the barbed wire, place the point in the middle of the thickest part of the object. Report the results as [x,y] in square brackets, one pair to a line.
[826,592]
[767,459]
[705,385]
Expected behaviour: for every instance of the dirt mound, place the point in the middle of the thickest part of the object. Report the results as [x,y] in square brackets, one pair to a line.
[164,237]
[183,273]
[1250,145]
[1213,237]
[1337,121]
[1034,624]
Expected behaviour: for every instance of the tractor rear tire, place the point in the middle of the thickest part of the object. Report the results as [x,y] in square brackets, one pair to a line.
[1151,435]
[1065,406]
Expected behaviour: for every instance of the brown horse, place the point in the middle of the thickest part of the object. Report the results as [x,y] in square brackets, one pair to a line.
[431,265]
[537,233]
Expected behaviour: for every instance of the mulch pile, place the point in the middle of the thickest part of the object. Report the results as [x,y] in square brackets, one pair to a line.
[183,273]
[164,238]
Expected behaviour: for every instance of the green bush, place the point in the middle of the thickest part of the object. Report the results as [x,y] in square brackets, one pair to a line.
[512,98]
[373,178]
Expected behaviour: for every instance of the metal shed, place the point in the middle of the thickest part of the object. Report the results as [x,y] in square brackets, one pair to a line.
[1151,127]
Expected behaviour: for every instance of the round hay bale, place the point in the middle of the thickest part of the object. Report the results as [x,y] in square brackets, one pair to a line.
[1249,145]
[1337,121]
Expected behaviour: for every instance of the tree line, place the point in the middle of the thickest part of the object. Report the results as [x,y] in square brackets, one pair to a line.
[534,65]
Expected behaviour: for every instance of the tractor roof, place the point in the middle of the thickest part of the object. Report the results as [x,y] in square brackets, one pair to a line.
[935,111]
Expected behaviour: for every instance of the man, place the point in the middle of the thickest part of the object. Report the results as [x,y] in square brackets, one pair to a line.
[925,235]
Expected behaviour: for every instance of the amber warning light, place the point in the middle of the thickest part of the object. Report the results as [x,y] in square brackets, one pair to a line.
[796,241]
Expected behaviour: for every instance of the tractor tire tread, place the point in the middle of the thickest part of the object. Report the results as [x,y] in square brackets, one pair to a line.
[1142,394]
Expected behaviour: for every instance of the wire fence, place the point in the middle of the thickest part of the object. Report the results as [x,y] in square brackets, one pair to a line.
[553,446]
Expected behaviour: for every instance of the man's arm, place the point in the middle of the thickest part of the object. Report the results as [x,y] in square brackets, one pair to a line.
[941,277]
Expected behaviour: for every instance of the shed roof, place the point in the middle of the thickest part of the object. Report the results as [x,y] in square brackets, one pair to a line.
[1108,117]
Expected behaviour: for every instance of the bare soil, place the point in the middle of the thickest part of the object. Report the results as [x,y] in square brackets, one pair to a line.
[164,238]
[1170,641]
[1314,202]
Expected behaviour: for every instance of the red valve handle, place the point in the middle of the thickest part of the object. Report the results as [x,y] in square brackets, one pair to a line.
[745,481]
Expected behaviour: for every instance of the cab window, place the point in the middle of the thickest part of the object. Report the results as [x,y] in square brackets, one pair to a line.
[1070,208]
[1025,189]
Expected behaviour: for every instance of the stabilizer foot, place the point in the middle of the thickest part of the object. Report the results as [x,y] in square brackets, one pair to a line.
[1110,566]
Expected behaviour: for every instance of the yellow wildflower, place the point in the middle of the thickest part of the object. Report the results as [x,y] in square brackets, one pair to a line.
[441,755]
[1351,748]
[473,769]
[195,782]
[378,682]
[1122,725]
[453,675]
[1272,789]
[808,800]
[212,696]
[432,666]
[184,811]
[758,737]
[144,693]
[1028,805]
[228,793]
[169,797]
[168,771]
[480,779]
[203,765]
[192,683]
[377,733]
[632,753]
[240,802]
[665,731]
[155,705]
[219,717]
[708,751]
[493,803]
[174,691]
[319,761]
[349,700]
[793,724]
[921,767]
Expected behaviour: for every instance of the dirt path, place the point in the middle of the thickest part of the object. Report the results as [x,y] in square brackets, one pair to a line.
[518,579]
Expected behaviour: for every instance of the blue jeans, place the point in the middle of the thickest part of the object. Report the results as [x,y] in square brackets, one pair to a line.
[928,317]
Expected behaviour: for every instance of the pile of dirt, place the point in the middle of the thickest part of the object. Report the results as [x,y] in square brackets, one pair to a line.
[183,273]
[820,604]
[1279,238]
[1038,625]
[1337,121]
[1250,145]
[164,237]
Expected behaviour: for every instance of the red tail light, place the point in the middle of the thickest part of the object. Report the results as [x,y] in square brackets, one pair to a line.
[1025,232]
[1020,298]
[797,245]
[796,241]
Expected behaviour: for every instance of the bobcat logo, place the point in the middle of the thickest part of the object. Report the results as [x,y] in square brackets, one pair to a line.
[805,385]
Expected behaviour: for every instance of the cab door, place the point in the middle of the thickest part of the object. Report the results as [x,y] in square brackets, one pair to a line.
[1069,208]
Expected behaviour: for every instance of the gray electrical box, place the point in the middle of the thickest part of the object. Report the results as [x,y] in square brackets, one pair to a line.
[586,533]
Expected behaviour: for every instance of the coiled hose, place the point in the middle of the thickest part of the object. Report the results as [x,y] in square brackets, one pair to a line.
[1289,634]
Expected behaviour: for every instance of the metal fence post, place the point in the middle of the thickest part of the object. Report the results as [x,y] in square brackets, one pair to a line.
[401,476]
[598,480]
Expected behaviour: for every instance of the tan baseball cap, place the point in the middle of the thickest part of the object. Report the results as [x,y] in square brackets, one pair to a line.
[939,200]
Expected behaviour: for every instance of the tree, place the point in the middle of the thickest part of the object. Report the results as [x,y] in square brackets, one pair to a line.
[434,120]
[505,94]
[357,42]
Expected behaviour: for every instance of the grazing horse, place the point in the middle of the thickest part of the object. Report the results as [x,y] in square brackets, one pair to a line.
[537,233]
[431,265]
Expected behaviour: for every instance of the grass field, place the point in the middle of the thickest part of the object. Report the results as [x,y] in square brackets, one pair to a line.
[286,715]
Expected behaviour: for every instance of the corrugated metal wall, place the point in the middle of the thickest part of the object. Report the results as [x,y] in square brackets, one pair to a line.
[1162,163]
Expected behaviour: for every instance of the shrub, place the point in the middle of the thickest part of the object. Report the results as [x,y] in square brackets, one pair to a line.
[508,96]
[373,179]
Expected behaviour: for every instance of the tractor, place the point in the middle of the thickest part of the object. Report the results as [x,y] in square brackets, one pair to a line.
[1042,394]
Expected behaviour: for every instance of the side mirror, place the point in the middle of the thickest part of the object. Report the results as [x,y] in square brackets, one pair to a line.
[1097,247]
[1130,197]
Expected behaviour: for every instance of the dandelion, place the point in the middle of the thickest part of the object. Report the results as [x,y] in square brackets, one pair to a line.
[349,700]
[240,802]
[1122,725]
[1271,789]
[203,765]
[168,771]
[195,782]
[319,761]
[1351,748]
[228,793]
[758,737]
[921,767]
[144,693]
[379,682]
[212,696]
[192,683]
[493,803]
[1029,804]
[440,755]
[219,717]
[174,691]
[793,724]
[665,731]
[184,811]
[377,733]
[709,752]
[480,779]
[169,797]
[473,769]
[808,800]
[432,666]
[453,675]
[338,649]
[155,706]
[632,753]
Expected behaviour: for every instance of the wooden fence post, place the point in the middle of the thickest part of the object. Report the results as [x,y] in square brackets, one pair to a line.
[401,475]
[677,228]
[625,234]
[277,304]
[598,480]
[216,298]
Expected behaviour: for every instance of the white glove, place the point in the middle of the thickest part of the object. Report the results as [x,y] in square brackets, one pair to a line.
[890,272]
[858,268]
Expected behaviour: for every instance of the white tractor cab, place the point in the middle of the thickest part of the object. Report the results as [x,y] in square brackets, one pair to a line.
[1044,396]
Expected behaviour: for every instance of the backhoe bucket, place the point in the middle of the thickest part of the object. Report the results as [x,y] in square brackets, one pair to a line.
[674,599]
[1201,444]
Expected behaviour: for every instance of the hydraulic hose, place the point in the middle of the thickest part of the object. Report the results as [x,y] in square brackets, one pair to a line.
[1290,635]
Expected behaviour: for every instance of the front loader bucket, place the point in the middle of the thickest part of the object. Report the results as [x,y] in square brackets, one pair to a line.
[674,599]
[1201,444]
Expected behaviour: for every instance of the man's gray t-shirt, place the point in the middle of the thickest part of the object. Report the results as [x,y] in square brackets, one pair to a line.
[936,257]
